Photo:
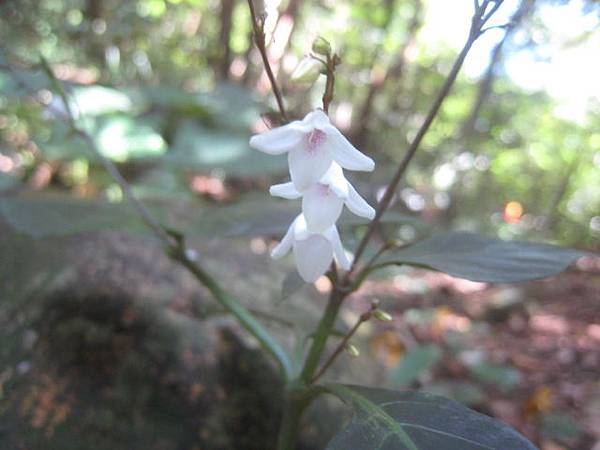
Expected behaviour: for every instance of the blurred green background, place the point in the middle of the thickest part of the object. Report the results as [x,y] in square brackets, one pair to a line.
[106,345]
[172,89]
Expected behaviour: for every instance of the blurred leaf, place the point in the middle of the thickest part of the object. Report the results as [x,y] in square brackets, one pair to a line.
[40,215]
[416,361]
[97,100]
[22,83]
[197,147]
[559,427]
[291,283]
[389,420]
[160,183]
[7,181]
[257,214]
[463,392]
[26,267]
[122,138]
[119,137]
[482,258]
[504,377]
[55,214]
[233,106]
[174,99]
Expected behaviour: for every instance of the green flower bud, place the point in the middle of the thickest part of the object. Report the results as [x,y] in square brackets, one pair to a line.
[382,315]
[352,350]
[321,47]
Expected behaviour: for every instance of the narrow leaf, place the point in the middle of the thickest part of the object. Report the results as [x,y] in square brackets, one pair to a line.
[487,259]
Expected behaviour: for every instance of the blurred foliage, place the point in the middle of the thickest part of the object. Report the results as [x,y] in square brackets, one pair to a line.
[171,90]
[146,80]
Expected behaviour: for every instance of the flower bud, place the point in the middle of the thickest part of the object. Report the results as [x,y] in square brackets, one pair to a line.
[382,315]
[352,350]
[321,47]
[307,71]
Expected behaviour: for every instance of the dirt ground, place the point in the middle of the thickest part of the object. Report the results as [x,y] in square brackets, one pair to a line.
[539,343]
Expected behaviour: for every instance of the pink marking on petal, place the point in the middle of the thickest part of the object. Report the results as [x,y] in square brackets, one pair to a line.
[315,140]
[323,190]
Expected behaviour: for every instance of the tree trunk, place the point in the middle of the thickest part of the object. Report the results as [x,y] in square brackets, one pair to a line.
[361,129]
[224,38]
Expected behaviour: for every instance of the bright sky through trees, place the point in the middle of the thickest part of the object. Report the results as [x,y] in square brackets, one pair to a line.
[567,68]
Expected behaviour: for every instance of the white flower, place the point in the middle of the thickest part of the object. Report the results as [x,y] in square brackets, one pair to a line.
[313,251]
[322,202]
[312,144]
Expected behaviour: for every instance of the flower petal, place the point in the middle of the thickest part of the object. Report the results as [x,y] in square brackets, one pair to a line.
[334,178]
[285,190]
[316,119]
[313,257]
[300,228]
[286,242]
[344,153]
[358,205]
[321,207]
[333,236]
[307,166]
[281,139]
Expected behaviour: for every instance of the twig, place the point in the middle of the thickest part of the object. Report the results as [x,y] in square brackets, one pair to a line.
[331,63]
[364,317]
[259,39]
[474,32]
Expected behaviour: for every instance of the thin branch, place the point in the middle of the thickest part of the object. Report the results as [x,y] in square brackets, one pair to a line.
[332,62]
[474,32]
[259,39]
[364,317]
[321,334]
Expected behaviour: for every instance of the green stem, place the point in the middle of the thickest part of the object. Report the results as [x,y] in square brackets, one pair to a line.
[297,398]
[288,430]
[321,334]
[244,317]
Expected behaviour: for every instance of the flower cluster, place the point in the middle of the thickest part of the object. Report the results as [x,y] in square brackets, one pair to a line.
[317,154]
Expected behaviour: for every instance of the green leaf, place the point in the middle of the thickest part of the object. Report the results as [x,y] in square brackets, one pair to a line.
[173,99]
[56,214]
[560,427]
[40,215]
[291,283]
[461,391]
[97,100]
[482,258]
[8,181]
[413,363]
[505,377]
[202,148]
[122,138]
[390,420]
[22,82]
[118,137]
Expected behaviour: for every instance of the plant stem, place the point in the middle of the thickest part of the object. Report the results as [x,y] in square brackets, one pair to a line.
[332,61]
[290,422]
[259,39]
[362,319]
[477,23]
[321,334]
[244,316]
